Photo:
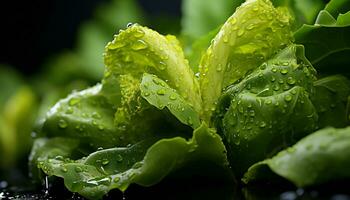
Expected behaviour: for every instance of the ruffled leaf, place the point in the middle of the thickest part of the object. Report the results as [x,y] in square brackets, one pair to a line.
[255,32]
[320,157]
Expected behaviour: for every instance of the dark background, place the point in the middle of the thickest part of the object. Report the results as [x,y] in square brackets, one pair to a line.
[32,31]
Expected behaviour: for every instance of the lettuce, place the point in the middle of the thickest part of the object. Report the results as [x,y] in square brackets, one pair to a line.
[239,98]
[320,157]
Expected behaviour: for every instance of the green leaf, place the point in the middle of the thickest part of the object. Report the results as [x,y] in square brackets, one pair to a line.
[330,101]
[87,115]
[198,49]
[320,157]
[17,118]
[268,110]
[108,169]
[137,50]
[202,16]
[336,7]
[10,81]
[304,12]
[255,32]
[327,43]
[160,95]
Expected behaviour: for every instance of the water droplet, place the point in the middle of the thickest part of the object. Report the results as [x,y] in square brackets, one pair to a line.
[291,81]
[105,162]
[119,158]
[262,124]
[233,20]
[128,25]
[161,92]
[284,71]
[250,27]
[276,87]
[94,122]
[172,96]
[96,115]
[64,169]
[116,45]
[116,179]
[139,45]
[225,39]
[189,121]
[100,127]
[137,165]
[162,65]
[288,98]
[268,102]
[219,68]
[62,123]
[139,33]
[78,169]
[146,94]
[273,79]
[274,69]
[263,66]
[73,101]
[156,81]
[240,32]
[127,58]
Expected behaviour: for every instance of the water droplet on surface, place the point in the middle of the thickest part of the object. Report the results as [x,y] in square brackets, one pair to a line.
[128,25]
[172,96]
[233,20]
[161,92]
[240,32]
[219,68]
[162,65]
[139,33]
[105,162]
[139,45]
[250,27]
[268,102]
[116,45]
[62,123]
[101,127]
[116,179]
[189,121]
[64,169]
[288,98]
[119,158]
[262,124]
[78,169]
[290,80]
[284,71]
[263,66]
[96,115]
[225,39]
[73,101]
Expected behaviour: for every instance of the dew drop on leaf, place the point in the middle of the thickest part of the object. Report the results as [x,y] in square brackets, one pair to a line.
[62,123]
[161,92]
[139,45]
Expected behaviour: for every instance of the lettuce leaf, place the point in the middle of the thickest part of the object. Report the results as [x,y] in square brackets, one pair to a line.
[255,32]
[328,54]
[320,157]
[268,110]
[93,176]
